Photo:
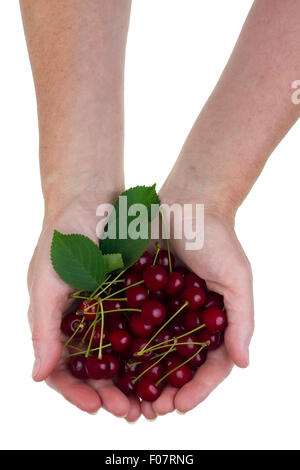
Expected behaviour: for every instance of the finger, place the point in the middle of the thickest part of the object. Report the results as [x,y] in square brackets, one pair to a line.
[112,398]
[147,410]
[240,314]
[45,311]
[75,391]
[165,403]
[134,410]
[206,379]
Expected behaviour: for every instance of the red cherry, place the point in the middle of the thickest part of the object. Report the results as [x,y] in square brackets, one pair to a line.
[163,259]
[192,319]
[215,339]
[120,340]
[174,304]
[213,299]
[155,277]
[175,284]
[172,360]
[187,350]
[97,335]
[108,350]
[136,296]
[153,312]
[183,271]
[129,366]
[113,304]
[215,319]
[77,367]
[113,365]
[70,324]
[138,327]
[180,376]
[144,260]
[97,368]
[163,335]
[156,371]
[192,280]
[132,277]
[176,326]
[137,345]
[125,383]
[114,322]
[158,295]
[88,312]
[147,390]
[194,296]
[199,359]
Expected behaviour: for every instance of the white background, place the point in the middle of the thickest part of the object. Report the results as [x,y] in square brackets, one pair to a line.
[176,51]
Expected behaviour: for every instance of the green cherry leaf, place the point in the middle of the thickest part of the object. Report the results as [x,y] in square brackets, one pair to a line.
[113,262]
[128,228]
[145,195]
[77,260]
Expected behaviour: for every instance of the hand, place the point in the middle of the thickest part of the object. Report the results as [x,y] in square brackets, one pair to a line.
[223,264]
[49,298]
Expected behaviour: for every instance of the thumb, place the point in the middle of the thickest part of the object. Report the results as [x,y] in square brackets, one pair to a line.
[44,315]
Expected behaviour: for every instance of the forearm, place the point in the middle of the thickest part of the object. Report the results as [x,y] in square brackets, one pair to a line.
[77,55]
[247,114]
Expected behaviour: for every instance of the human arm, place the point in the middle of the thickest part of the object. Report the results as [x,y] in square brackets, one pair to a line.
[246,116]
[77,53]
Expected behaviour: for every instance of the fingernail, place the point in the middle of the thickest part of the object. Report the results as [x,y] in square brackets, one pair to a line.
[36,368]
[151,419]
[180,412]
[93,413]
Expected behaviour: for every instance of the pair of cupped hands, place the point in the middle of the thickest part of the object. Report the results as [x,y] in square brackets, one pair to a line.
[221,262]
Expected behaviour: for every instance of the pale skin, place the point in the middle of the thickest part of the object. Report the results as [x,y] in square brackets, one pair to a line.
[77,59]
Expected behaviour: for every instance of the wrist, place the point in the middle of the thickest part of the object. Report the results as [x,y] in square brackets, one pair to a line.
[215,197]
[84,192]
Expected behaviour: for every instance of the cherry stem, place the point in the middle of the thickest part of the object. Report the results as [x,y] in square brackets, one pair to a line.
[156,253]
[159,346]
[140,353]
[111,282]
[89,307]
[136,363]
[122,310]
[77,292]
[88,330]
[176,337]
[154,364]
[180,365]
[124,289]
[83,352]
[115,281]
[101,334]
[99,287]
[92,334]
[191,331]
[167,239]
[156,356]
[73,335]
[119,298]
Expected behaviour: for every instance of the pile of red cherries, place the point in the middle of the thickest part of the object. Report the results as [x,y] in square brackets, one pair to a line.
[149,327]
